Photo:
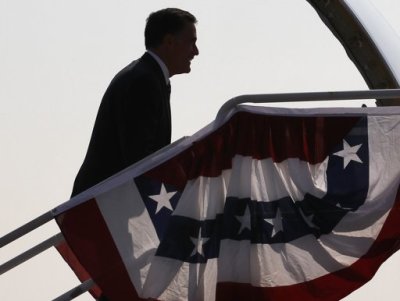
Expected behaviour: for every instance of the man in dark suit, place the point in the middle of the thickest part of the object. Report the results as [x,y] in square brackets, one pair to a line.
[134,118]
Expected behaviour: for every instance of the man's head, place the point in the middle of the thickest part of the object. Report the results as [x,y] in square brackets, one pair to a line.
[171,34]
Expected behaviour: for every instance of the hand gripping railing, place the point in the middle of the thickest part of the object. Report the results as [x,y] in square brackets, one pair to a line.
[224,110]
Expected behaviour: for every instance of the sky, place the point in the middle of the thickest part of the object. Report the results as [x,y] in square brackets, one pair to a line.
[57,57]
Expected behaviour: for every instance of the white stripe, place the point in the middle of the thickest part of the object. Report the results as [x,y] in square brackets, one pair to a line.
[131,228]
[204,197]
[262,180]
[265,265]
[172,280]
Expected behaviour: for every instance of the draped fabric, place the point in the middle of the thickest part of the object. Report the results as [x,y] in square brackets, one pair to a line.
[268,204]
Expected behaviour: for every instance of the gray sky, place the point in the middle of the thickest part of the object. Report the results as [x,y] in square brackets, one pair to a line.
[57,58]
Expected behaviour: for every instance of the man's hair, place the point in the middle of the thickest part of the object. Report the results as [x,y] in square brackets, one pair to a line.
[163,22]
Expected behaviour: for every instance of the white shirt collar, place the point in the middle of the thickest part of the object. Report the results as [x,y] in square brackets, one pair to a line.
[162,65]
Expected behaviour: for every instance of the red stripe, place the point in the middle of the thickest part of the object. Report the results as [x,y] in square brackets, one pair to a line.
[67,254]
[331,287]
[259,136]
[88,236]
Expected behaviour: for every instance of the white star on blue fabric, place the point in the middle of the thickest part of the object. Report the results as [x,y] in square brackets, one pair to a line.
[276,223]
[163,199]
[349,153]
[198,244]
[308,219]
[245,220]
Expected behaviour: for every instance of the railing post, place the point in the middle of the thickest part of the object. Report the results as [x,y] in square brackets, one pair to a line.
[48,243]
[24,229]
[76,291]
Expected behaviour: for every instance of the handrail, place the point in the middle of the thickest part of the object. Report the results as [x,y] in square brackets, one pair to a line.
[25,229]
[76,291]
[306,96]
[43,246]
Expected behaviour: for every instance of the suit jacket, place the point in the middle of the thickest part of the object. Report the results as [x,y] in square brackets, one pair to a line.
[133,121]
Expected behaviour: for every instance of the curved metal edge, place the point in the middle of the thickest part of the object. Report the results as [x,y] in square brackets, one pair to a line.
[359,46]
